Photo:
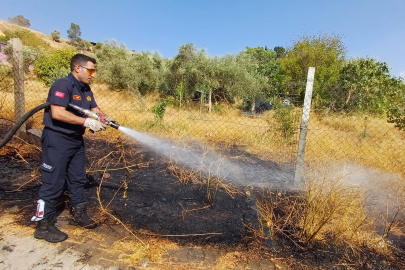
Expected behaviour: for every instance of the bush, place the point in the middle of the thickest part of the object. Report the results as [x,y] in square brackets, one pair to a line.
[3,39]
[159,110]
[6,75]
[285,119]
[55,35]
[53,66]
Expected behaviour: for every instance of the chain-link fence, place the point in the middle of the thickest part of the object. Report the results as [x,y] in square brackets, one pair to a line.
[268,129]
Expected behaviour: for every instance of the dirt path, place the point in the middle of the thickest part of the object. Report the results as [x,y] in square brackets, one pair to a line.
[102,248]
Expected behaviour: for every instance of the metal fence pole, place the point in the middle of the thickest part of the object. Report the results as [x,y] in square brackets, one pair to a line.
[299,165]
[18,73]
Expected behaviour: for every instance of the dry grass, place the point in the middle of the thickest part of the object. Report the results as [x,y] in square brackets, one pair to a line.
[366,140]
[331,214]
[5,26]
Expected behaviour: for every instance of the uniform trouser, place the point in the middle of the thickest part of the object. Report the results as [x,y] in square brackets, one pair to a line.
[63,159]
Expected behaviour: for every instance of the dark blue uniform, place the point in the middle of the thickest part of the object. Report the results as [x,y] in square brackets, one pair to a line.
[63,151]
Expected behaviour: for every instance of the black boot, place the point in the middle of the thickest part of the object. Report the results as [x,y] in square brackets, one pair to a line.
[47,230]
[80,217]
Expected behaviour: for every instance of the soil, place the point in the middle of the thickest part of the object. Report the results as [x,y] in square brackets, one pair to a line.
[151,202]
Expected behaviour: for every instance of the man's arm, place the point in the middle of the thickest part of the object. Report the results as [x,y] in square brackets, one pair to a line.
[60,113]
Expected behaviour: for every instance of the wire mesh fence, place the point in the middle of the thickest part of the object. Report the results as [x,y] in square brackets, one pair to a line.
[268,129]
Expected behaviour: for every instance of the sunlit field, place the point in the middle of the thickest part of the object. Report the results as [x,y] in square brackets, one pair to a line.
[362,139]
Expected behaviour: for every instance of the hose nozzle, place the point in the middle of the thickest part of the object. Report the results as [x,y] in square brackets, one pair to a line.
[113,124]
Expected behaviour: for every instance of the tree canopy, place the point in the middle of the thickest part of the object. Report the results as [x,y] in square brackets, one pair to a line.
[20,20]
[74,33]
[324,52]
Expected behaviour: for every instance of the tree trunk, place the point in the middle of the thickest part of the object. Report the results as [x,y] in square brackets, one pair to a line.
[252,108]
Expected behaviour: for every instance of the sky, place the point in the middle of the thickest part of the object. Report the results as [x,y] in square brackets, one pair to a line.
[369,28]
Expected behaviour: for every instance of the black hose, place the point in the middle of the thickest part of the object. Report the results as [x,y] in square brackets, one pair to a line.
[21,121]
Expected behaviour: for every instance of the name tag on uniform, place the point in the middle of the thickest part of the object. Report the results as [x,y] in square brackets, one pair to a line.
[76,97]
[89,98]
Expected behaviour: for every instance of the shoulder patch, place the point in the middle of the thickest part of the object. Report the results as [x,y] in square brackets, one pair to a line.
[76,97]
[89,98]
[59,94]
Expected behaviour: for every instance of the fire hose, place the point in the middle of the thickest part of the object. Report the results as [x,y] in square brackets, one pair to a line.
[25,117]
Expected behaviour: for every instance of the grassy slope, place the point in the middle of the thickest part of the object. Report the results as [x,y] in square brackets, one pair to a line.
[4,26]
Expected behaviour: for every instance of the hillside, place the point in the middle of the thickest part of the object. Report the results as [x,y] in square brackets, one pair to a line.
[4,26]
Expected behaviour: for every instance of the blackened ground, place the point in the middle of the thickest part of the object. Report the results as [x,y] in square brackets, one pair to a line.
[147,196]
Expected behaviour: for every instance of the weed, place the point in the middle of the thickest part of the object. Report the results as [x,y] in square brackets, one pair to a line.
[286,119]
[159,110]
[217,108]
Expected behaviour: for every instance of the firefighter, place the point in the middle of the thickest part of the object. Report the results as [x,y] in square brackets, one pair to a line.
[63,150]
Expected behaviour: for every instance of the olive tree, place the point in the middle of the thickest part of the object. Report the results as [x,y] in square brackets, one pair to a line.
[324,52]
[124,70]
[20,20]
[366,85]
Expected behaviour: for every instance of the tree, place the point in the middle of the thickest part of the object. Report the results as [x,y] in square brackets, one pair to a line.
[366,85]
[55,35]
[280,51]
[20,20]
[123,70]
[324,52]
[240,77]
[74,33]
[265,59]
[269,66]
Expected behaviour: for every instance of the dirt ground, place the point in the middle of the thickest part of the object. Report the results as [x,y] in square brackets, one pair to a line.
[147,218]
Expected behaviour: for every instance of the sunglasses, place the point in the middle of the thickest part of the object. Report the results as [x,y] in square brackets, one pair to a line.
[90,71]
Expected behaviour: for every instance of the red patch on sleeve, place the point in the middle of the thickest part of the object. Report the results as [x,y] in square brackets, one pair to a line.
[40,214]
[59,94]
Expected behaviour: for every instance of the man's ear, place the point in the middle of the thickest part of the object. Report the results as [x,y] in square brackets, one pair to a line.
[76,69]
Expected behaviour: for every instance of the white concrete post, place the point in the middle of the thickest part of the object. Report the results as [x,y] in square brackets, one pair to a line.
[299,165]
[18,73]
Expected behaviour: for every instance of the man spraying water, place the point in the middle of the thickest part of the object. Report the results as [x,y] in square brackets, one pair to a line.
[63,150]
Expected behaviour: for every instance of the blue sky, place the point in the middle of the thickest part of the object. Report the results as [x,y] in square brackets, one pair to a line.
[372,28]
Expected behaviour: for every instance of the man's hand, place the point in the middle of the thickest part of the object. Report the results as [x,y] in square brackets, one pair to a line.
[94,125]
[104,117]
[108,118]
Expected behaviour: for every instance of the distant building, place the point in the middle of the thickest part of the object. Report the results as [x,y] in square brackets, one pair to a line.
[3,57]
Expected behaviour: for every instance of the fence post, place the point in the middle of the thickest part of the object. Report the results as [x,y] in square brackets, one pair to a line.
[299,165]
[18,73]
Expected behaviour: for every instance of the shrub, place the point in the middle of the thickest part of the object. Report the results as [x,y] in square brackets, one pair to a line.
[285,119]
[159,110]
[55,35]
[53,66]
[6,75]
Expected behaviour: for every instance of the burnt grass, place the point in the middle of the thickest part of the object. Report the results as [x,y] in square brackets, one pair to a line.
[148,198]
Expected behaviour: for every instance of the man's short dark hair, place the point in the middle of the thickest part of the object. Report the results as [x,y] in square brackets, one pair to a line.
[80,59]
